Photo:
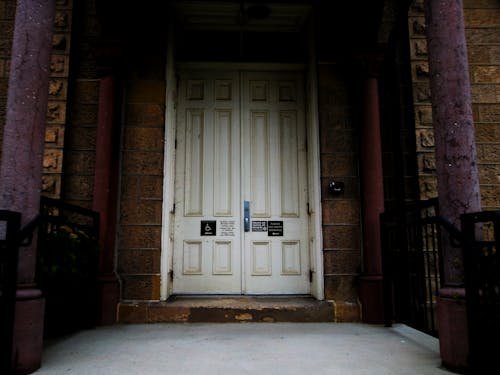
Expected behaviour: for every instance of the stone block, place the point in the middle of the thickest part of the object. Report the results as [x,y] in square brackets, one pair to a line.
[87,91]
[134,313]
[486,74]
[482,18]
[62,20]
[58,88]
[422,92]
[347,312]
[52,160]
[84,114]
[488,152]
[81,138]
[489,174]
[56,112]
[482,36]
[130,187]
[339,164]
[426,162]
[173,314]
[417,27]
[425,139]
[151,187]
[61,43]
[341,288]
[424,116]
[54,135]
[480,4]
[6,29]
[428,187]
[147,139]
[489,113]
[341,237]
[490,199]
[140,287]
[481,54]
[80,162]
[336,140]
[342,261]
[487,133]
[59,66]
[51,185]
[419,48]
[140,237]
[79,187]
[140,212]
[145,115]
[139,261]
[143,163]
[484,93]
[341,211]
[146,92]
[420,71]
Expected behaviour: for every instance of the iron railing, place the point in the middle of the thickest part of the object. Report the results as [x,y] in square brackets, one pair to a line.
[67,264]
[412,264]
[481,237]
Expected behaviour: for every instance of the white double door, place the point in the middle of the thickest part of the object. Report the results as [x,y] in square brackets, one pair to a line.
[241,221]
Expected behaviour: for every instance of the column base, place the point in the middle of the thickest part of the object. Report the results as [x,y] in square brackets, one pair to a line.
[452,327]
[28,330]
[371,294]
[108,289]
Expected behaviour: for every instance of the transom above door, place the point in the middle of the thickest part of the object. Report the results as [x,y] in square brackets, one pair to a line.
[241,221]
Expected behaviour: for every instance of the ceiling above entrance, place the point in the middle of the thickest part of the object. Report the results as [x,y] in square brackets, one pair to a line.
[241,16]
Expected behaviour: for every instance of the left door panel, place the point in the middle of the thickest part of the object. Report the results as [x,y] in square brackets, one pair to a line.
[207,226]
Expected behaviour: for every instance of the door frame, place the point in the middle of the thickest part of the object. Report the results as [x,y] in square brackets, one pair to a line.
[313,164]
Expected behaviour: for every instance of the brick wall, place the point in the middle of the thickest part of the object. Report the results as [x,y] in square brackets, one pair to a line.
[339,161]
[482,28]
[7,15]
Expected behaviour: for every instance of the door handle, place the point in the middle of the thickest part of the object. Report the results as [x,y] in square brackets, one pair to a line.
[246,217]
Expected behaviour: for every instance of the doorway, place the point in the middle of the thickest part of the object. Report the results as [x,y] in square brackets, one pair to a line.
[241,218]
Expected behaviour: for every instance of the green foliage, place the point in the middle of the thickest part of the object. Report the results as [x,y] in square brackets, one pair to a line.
[66,254]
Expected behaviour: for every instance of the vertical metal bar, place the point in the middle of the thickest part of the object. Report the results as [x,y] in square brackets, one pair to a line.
[246,219]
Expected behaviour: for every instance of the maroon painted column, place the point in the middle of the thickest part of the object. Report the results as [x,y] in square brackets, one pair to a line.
[457,175]
[372,196]
[105,201]
[21,168]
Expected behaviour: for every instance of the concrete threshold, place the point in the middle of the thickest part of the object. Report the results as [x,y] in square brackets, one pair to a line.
[228,309]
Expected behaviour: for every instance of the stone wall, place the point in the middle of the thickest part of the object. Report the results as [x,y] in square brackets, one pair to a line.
[482,28]
[341,213]
[142,190]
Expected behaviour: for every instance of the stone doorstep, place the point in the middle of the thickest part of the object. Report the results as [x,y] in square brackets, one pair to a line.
[228,309]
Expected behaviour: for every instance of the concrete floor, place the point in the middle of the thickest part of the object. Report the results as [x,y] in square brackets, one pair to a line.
[244,348]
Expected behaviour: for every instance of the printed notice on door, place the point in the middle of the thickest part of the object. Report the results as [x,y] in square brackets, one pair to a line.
[259,226]
[275,229]
[228,228]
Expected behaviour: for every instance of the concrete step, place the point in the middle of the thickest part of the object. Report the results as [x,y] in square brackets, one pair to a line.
[229,309]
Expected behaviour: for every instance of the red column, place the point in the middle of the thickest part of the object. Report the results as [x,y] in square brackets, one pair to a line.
[457,175]
[105,200]
[21,168]
[372,195]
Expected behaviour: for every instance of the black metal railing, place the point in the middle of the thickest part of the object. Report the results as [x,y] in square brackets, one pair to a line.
[481,237]
[412,264]
[67,263]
